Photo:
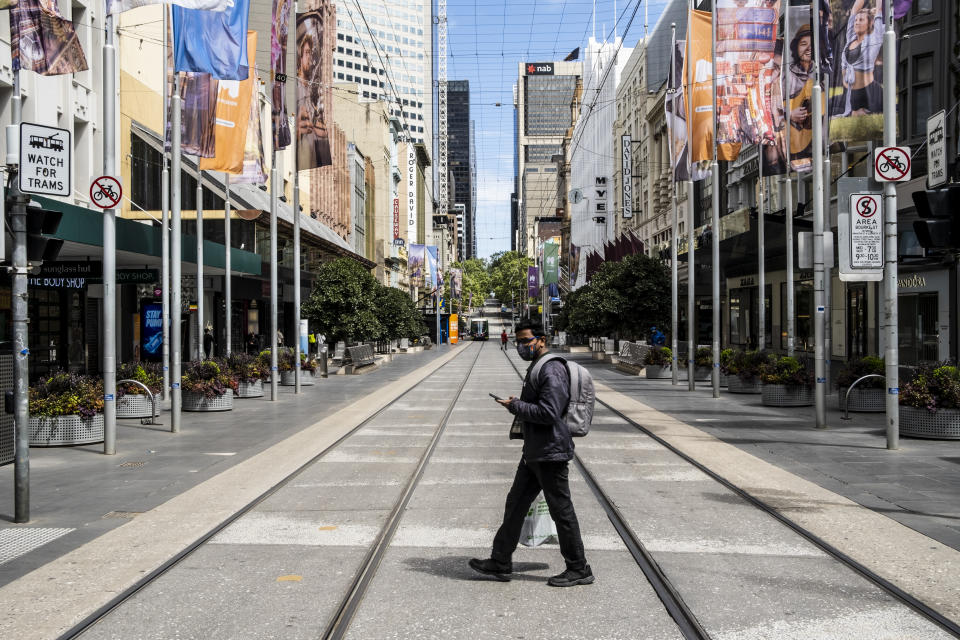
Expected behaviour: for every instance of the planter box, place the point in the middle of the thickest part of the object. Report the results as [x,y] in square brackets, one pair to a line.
[307,378]
[250,389]
[136,405]
[287,379]
[701,373]
[724,380]
[655,372]
[197,402]
[864,400]
[778,395]
[735,384]
[920,423]
[65,430]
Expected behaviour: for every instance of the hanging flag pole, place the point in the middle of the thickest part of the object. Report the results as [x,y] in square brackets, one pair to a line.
[787,183]
[227,264]
[296,238]
[890,310]
[109,247]
[715,221]
[818,257]
[691,300]
[165,223]
[761,256]
[176,257]
[201,355]
[674,286]
[274,370]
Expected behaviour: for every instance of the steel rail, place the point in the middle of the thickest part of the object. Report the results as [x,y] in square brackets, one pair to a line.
[102,612]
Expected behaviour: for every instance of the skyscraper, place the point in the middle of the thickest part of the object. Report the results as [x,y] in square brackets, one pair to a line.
[461,164]
[387,50]
[544,101]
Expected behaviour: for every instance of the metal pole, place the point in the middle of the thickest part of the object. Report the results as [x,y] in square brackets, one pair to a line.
[761,259]
[296,280]
[165,224]
[674,281]
[274,370]
[827,277]
[228,264]
[890,311]
[200,350]
[176,259]
[109,247]
[691,301]
[21,335]
[818,276]
[715,225]
[788,202]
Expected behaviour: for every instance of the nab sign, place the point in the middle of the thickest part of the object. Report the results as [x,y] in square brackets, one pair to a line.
[45,160]
[539,68]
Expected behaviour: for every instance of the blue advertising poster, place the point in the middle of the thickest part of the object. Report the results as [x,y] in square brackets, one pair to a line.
[151,331]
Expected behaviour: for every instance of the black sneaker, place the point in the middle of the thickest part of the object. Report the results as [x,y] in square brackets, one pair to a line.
[499,570]
[572,577]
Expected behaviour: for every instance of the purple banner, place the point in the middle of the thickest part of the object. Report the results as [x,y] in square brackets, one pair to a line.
[533,282]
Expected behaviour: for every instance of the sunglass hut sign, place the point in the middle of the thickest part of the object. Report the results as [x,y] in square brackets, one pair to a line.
[539,68]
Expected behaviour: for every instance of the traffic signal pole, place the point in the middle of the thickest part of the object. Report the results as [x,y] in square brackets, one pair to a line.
[890,311]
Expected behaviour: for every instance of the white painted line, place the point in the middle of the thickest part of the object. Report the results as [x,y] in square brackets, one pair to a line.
[226,453]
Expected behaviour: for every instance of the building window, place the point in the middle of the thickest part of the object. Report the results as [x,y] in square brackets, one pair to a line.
[923,7]
[922,93]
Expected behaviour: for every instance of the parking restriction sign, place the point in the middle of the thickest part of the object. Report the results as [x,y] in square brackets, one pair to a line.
[866,231]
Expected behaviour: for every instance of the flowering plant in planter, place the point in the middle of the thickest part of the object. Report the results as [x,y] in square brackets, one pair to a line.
[308,363]
[933,389]
[149,373]
[726,359]
[704,357]
[244,367]
[786,371]
[747,365]
[67,394]
[658,357]
[860,367]
[207,378]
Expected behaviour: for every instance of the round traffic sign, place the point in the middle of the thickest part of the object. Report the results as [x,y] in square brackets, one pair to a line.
[865,205]
[105,192]
[892,164]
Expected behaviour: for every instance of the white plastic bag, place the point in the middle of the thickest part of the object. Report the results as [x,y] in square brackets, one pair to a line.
[538,526]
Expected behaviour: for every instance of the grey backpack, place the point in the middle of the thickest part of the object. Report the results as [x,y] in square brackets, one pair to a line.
[579,413]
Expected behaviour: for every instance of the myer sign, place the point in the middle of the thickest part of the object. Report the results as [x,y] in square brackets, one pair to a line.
[45,160]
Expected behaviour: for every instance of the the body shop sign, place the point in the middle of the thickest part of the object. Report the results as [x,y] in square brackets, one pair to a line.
[411,193]
[539,68]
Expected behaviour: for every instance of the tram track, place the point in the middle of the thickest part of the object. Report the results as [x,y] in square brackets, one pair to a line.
[672,600]
[340,623]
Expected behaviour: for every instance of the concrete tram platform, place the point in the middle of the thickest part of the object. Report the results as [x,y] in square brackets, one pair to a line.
[281,569]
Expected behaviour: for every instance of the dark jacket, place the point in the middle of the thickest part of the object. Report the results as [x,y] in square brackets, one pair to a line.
[546,436]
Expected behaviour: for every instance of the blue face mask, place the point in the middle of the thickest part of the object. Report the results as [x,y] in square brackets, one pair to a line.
[526,351]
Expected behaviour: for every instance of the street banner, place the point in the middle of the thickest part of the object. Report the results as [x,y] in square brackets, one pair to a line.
[315,35]
[533,282]
[416,261]
[232,118]
[254,164]
[198,93]
[856,80]
[676,115]
[278,67]
[42,40]
[701,94]
[119,6]
[432,270]
[746,43]
[456,283]
[574,263]
[774,145]
[800,81]
[213,42]
[551,266]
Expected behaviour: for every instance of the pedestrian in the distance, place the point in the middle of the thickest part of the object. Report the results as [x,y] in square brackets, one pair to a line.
[208,343]
[547,450]
[503,340]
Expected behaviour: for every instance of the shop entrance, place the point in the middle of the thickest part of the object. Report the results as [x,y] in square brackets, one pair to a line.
[919,335]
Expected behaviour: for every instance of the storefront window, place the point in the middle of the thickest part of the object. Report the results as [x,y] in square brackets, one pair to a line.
[919,337]
[803,314]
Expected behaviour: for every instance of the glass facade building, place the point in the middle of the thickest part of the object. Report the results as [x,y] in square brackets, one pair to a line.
[461,163]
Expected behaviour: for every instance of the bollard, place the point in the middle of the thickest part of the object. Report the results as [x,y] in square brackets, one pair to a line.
[323,361]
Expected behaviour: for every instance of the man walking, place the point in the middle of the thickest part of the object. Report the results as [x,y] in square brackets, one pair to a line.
[503,340]
[547,450]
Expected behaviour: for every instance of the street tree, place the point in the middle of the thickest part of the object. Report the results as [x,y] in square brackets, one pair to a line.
[398,314]
[343,303]
[508,275]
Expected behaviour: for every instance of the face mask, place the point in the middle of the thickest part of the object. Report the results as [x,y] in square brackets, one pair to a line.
[526,351]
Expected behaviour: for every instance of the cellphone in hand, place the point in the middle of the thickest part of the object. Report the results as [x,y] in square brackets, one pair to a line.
[496,397]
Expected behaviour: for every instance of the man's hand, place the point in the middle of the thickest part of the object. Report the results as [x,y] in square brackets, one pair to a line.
[507,402]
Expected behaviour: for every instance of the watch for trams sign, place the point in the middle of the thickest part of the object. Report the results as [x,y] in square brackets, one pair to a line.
[45,158]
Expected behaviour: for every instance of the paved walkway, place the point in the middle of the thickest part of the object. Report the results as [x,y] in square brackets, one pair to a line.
[917,485]
[78,494]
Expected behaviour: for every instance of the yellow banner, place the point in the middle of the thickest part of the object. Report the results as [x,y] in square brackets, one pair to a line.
[699,42]
[233,116]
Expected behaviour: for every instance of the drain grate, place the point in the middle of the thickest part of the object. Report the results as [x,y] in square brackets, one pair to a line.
[18,541]
[132,464]
[121,514]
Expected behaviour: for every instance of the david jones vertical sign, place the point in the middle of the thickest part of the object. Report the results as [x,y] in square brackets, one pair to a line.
[626,175]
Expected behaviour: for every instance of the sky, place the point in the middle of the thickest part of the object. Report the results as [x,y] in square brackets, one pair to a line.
[485,41]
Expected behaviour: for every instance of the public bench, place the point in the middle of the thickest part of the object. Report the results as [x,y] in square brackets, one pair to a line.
[359,359]
[632,355]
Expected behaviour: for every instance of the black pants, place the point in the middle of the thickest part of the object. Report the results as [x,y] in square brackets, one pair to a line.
[531,478]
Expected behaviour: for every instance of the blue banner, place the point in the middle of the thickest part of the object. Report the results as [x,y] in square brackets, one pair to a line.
[213,42]
[151,331]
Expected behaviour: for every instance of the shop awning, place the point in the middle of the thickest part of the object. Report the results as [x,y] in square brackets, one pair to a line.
[138,242]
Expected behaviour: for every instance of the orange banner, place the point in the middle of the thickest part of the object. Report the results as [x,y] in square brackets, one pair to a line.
[233,116]
[699,51]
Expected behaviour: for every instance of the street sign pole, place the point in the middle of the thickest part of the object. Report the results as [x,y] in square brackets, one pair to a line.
[674,282]
[109,247]
[165,226]
[201,355]
[227,265]
[890,315]
[274,371]
[788,210]
[176,259]
[715,235]
[691,300]
[296,243]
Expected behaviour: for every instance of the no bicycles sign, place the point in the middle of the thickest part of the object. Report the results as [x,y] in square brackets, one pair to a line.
[105,192]
[891,164]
